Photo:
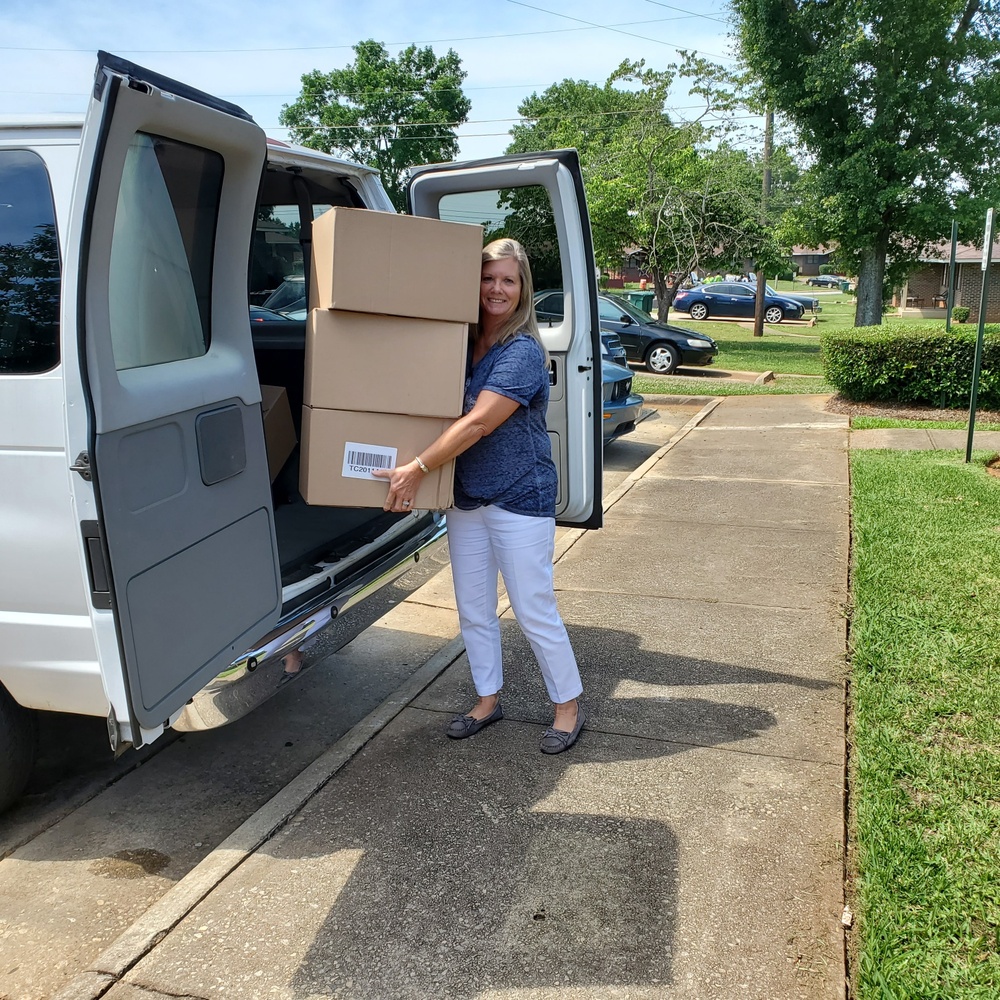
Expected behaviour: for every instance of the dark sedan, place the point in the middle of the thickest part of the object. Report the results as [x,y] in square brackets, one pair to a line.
[824,281]
[659,346]
[725,299]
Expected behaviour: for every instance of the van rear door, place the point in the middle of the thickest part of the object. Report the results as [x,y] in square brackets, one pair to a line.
[538,199]
[163,404]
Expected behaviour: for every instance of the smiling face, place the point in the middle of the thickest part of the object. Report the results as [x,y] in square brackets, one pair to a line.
[499,290]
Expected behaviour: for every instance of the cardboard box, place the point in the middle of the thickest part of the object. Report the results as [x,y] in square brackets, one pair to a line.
[279,431]
[401,265]
[331,439]
[395,364]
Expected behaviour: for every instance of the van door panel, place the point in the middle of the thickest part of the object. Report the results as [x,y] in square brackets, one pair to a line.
[162,223]
[462,192]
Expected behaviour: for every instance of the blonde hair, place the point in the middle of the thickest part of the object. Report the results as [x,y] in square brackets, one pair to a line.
[522,319]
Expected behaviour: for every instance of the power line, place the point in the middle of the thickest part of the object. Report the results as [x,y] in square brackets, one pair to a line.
[329,48]
[520,120]
[608,27]
[690,13]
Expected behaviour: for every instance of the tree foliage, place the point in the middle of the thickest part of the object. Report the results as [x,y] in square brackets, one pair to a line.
[387,113]
[675,192]
[898,101]
[29,302]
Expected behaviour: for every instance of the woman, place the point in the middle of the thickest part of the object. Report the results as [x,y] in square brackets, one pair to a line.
[505,496]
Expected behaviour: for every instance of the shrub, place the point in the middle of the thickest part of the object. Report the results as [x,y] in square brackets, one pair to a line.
[912,363]
[828,269]
[960,313]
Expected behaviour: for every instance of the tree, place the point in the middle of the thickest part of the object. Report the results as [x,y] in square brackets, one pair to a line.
[674,191]
[898,101]
[387,113]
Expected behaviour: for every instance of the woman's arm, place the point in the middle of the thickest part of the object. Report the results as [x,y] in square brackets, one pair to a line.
[490,411]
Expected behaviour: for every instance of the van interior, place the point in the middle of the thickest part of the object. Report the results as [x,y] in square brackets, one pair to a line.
[310,538]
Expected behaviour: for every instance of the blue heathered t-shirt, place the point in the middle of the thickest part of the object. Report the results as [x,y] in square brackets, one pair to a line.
[511,468]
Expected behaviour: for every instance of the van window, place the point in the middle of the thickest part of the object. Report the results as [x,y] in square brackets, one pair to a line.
[525,214]
[29,266]
[160,286]
[277,263]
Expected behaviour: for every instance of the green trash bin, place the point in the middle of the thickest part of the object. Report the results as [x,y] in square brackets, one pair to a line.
[642,300]
[845,286]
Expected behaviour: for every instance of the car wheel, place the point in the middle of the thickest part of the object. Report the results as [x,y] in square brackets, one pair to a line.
[699,311]
[773,314]
[662,359]
[18,745]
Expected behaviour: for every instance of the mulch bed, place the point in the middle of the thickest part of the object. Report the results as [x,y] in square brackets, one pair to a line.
[905,411]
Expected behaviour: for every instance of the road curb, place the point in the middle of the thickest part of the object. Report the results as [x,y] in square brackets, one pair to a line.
[142,936]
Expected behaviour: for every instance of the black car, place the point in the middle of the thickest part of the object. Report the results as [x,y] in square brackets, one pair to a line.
[659,346]
[824,281]
[611,348]
[809,302]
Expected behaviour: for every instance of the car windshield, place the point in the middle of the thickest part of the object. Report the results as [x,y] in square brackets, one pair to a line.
[288,296]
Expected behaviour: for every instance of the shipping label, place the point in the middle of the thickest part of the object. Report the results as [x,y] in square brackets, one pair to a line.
[360,460]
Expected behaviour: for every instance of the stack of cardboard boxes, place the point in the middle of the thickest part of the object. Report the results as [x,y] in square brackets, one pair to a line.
[386,340]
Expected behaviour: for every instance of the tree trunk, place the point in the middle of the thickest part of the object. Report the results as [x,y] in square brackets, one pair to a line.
[758,308]
[868,311]
[664,295]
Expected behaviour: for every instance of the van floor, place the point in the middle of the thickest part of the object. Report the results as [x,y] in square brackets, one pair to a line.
[309,534]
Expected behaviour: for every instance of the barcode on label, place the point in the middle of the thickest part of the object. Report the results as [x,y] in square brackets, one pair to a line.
[369,458]
[361,459]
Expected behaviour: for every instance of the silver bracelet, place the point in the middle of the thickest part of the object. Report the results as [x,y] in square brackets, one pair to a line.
[420,462]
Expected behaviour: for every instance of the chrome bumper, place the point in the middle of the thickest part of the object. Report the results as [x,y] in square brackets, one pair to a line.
[258,673]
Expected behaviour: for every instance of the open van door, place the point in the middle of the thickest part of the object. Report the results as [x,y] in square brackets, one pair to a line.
[170,477]
[538,198]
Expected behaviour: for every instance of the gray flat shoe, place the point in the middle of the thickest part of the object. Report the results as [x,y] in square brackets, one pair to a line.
[558,740]
[462,726]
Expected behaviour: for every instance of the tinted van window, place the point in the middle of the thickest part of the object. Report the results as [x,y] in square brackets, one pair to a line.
[29,266]
[160,284]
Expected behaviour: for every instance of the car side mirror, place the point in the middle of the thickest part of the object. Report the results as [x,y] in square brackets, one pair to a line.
[626,319]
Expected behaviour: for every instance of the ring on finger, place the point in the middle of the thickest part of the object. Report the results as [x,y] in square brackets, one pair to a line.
[406,503]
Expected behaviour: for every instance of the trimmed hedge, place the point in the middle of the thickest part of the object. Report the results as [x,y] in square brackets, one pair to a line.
[911,363]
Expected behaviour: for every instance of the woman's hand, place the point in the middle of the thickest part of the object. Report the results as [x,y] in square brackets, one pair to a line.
[489,412]
[404,481]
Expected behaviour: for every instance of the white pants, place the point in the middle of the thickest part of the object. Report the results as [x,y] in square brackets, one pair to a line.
[488,539]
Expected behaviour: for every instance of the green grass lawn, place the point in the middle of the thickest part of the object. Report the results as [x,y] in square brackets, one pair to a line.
[681,385]
[925,727]
[785,348]
[871,423]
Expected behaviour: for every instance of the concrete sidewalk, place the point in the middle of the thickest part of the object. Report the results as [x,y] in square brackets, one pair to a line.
[920,439]
[689,846]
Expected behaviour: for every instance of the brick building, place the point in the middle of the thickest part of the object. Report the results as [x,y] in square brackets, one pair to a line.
[925,291]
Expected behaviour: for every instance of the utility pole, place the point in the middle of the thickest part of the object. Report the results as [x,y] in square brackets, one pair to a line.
[765,194]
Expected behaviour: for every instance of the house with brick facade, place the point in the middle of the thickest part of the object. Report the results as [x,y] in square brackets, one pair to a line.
[925,291]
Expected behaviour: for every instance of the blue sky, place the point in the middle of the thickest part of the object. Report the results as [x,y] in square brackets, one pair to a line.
[254,53]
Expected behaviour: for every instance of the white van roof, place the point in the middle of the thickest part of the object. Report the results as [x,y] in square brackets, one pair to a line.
[28,120]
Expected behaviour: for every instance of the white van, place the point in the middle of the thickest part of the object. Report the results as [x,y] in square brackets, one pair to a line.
[149,571]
